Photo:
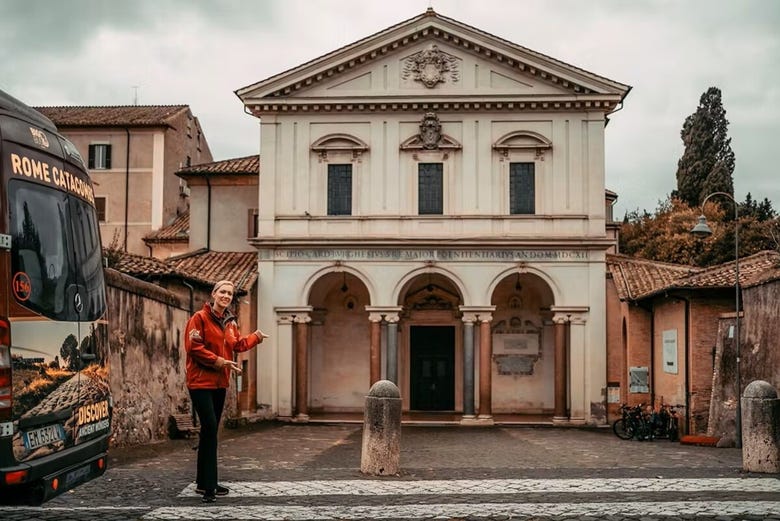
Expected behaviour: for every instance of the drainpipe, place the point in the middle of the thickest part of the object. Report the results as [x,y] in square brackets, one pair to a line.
[192,298]
[208,215]
[687,365]
[127,183]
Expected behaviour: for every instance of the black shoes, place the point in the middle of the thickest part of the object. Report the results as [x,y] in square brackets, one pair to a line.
[209,497]
[220,491]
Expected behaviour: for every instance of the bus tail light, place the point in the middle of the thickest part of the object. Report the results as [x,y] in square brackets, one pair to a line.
[6,385]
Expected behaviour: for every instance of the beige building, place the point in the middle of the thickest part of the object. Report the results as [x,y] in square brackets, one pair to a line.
[132,153]
[432,212]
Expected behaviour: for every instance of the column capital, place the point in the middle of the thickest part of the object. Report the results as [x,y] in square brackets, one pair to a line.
[392,318]
[469,318]
[302,319]
[560,319]
[374,317]
[485,317]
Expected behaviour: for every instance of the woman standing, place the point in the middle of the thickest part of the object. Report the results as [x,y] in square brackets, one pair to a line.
[211,338]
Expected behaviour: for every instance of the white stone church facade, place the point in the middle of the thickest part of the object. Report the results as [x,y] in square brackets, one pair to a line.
[432,212]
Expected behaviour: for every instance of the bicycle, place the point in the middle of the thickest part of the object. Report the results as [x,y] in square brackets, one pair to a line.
[665,422]
[632,423]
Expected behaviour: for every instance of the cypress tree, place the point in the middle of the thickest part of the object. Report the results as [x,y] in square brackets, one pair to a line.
[707,163]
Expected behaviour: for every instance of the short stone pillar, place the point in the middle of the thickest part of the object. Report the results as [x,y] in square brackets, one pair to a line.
[381,452]
[760,428]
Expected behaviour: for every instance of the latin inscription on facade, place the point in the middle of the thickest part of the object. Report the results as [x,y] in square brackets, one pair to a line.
[311,254]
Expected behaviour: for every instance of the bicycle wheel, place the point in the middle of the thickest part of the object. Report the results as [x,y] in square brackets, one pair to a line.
[623,430]
[674,432]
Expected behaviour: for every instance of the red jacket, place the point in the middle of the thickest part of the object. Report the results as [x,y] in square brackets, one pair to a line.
[219,337]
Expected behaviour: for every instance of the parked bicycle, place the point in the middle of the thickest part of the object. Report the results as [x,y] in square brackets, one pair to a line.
[665,422]
[645,424]
[632,423]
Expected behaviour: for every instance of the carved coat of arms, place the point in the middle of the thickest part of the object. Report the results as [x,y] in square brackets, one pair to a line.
[431,66]
[430,131]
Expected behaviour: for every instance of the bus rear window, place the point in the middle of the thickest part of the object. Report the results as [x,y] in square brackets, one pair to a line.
[56,253]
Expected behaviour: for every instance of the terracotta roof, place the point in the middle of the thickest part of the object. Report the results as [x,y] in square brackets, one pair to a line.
[144,267]
[177,230]
[208,267]
[249,165]
[640,278]
[635,278]
[112,116]
[752,271]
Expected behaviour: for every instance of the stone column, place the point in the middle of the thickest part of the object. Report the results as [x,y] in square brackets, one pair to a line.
[302,367]
[485,368]
[375,361]
[468,366]
[282,390]
[579,407]
[561,362]
[392,346]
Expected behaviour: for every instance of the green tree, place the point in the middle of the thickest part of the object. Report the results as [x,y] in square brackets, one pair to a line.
[69,352]
[707,163]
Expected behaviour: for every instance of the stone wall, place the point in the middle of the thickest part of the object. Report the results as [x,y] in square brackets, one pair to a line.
[759,353]
[146,360]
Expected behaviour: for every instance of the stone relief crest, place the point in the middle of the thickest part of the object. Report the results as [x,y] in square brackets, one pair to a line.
[431,67]
[430,131]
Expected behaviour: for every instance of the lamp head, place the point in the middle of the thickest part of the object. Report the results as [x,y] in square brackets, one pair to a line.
[702,229]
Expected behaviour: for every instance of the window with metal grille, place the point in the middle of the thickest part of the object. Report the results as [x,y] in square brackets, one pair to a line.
[100,156]
[430,189]
[521,189]
[339,189]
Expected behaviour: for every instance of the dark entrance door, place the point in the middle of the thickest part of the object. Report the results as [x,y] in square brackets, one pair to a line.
[432,368]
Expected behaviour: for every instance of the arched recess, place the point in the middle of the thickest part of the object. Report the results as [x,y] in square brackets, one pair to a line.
[523,379]
[557,294]
[317,275]
[338,344]
[522,140]
[430,340]
[403,285]
[339,143]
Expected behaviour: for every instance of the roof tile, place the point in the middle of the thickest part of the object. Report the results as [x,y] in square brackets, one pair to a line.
[249,165]
[177,231]
[123,115]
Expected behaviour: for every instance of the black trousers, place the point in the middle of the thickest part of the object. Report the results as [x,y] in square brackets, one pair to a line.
[208,403]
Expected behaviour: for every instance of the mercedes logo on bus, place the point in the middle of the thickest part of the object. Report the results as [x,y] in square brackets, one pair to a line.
[77,303]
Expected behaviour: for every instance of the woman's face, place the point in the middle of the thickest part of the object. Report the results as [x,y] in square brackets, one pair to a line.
[222,297]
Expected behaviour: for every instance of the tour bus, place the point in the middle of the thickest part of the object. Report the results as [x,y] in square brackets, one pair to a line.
[55,405]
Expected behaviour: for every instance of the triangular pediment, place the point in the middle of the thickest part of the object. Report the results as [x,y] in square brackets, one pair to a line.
[432,59]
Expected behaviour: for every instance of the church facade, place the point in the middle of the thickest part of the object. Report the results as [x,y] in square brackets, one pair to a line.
[432,212]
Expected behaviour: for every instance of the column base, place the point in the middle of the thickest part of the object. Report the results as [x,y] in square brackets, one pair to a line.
[576,421]
[301,418]
[468,419]
[560,420]
[484,420]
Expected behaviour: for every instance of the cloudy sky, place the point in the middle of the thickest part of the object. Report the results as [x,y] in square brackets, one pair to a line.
[198,52]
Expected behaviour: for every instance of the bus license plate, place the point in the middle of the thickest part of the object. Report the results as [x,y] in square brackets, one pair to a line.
[43,436]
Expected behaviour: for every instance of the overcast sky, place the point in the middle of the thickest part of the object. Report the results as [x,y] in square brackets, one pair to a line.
[198,52]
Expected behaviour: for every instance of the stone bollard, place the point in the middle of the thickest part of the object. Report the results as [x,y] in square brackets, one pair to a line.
[760,428]
[381,452]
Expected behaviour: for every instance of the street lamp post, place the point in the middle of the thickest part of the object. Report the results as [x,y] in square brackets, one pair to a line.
[703,230]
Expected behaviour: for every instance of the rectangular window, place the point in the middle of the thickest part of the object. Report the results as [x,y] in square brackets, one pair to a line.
[430,189]
[253,222]
[339,189]
[100,156]
[100,206]
[522,195]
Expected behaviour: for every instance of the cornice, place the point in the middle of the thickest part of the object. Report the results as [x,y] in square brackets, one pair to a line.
[592,103]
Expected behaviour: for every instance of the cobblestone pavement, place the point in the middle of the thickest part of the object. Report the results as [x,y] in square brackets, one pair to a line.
[286,471]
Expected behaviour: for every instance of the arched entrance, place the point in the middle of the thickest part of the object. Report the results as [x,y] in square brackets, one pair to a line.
[523,380]
[430,354]
[339,345]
